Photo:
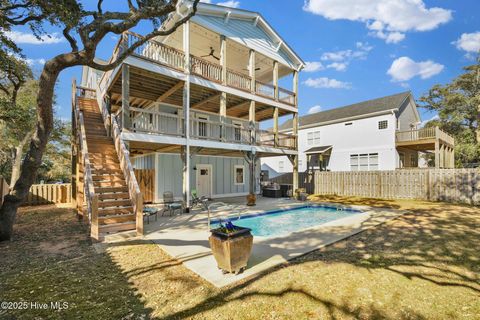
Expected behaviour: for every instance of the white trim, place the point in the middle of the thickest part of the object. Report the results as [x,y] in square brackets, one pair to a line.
[236,123]
[197,174]
[230,195]
[235,174]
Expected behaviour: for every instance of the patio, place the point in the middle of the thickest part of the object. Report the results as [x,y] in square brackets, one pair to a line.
[185,237]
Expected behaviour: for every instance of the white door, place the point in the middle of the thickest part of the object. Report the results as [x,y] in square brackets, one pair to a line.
[204,180]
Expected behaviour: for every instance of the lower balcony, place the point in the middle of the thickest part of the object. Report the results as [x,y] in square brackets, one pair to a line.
[202,127]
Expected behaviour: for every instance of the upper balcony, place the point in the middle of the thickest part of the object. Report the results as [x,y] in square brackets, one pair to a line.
[238,73]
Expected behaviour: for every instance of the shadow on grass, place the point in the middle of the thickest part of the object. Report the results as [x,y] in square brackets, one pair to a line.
[436,243]
[51,260]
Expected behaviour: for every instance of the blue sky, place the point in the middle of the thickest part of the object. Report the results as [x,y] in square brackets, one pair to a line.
[355,49]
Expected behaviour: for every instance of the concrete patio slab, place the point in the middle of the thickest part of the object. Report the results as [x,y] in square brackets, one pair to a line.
[185,237]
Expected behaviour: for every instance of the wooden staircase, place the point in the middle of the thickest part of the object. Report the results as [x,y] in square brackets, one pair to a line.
[114,211]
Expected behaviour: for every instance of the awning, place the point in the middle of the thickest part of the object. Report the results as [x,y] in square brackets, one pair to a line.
[319,150]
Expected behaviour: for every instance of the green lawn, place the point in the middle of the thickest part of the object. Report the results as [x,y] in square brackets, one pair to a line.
[424,265]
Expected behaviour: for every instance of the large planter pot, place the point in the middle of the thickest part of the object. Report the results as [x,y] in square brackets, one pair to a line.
[251,199]
[231,250]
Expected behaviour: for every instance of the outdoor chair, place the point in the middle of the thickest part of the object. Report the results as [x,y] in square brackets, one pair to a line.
[148,212]
[199,201]
[170,205]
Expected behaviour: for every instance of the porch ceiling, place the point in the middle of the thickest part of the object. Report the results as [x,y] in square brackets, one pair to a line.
[147,88]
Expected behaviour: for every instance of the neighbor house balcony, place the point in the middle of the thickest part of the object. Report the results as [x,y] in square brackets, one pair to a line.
[174,58]
[230,131]
[429,140]
[423,136]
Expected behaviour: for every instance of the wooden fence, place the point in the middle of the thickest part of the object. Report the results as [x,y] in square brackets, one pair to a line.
[449,185]
[48,194]
[146,182]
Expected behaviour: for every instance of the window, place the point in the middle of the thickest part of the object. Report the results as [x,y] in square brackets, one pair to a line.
[281,166]
[364,162]
[313,138]
[237,131]
[413,160]
[310,138]
[202,126]
[383,124]
[239,175]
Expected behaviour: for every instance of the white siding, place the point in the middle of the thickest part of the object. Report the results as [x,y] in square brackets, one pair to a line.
[363,136]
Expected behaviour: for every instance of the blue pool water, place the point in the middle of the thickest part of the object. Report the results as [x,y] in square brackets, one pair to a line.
[276,223]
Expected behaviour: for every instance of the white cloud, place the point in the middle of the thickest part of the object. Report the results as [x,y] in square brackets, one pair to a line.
[386,19]
[230,3]
[32,62]
[206,1]
[339,66]
[424,122]
[313,66]
[339,60]
[28,38]
[469,42]
[315,109]
[404,69]
[327,83]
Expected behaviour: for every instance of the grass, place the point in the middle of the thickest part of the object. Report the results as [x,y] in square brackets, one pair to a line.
[423,265]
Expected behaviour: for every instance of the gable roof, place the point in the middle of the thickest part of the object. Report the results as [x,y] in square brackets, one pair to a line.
[248,28]
[383,104]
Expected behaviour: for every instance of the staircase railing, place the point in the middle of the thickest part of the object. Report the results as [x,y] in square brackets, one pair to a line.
[127,168]
[89,190]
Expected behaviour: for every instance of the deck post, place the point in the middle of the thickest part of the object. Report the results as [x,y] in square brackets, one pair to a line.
[251,70]
[223,96]
[275,126]
[186,115]
[295,158]
[251,122]
[125,97]
[275,79]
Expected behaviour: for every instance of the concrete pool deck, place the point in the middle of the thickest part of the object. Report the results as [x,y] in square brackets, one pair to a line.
[185,237]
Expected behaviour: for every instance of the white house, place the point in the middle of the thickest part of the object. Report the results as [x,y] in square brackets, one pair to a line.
[190,104]
[378,134]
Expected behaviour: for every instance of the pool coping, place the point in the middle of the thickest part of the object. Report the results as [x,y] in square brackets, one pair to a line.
[189,244]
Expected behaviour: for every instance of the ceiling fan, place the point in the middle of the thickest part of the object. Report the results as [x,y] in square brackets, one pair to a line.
[256,69]
[211,54]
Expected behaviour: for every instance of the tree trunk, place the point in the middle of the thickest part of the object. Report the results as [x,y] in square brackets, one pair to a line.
[17,161]
[33,157]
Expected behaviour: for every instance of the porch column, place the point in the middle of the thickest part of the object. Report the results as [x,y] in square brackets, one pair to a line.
[125,97]
[186,117]
[453,156]
[295,158]
[251,110]
[275,79]
[251,70]
[252,123]
[437,154]
[275,126]
[223,96]
[252,158]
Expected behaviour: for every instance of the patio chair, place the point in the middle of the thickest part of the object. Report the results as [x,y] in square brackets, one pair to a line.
[199,201]
[170,205]
[148,212]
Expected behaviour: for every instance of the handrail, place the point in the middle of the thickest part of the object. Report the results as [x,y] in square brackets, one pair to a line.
[264,89]
[127,168]
[238,80]
[206,69]
[89,188]
[422,134]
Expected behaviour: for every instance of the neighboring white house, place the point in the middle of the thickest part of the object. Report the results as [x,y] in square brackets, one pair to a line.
[379,134]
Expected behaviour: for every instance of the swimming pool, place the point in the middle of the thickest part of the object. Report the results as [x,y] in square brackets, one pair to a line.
[283,222]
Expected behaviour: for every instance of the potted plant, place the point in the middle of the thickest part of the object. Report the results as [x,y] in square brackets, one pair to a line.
[231,246]
[251,199]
